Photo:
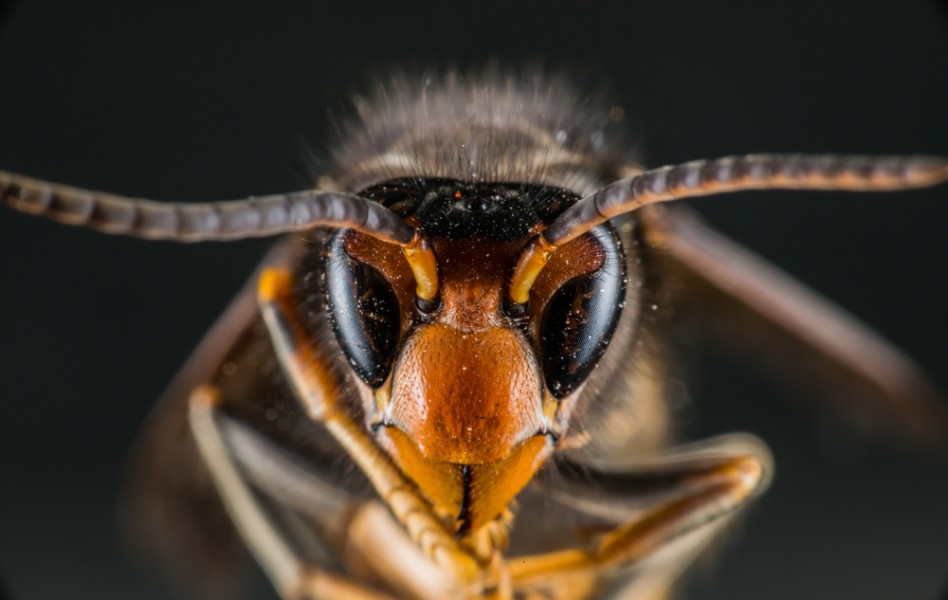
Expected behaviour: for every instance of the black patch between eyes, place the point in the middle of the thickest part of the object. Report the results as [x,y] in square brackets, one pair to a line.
[455,209]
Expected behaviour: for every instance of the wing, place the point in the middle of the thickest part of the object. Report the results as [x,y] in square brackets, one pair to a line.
[169,506]
[749,303]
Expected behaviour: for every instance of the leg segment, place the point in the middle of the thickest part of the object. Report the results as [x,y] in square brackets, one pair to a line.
[316,387]
[697,489]
[283,562]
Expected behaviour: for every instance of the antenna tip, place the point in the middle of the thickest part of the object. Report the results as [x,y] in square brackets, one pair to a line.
[927,170]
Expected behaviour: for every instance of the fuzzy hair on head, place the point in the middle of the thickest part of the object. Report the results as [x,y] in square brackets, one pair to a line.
[494,125]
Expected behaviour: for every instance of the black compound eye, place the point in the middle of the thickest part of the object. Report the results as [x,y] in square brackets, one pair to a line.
[364,313]
[580,318]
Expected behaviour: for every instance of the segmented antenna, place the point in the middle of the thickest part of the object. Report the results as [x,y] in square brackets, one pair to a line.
[207,221]
[729,174]
[739,173]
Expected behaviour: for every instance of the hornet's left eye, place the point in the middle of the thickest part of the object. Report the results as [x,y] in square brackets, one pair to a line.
[364,313]
[580,318]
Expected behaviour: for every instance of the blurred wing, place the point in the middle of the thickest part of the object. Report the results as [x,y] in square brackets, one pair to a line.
[169,506]
[745,301]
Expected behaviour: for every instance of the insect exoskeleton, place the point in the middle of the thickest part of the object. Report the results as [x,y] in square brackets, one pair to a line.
[471,390]
[457,324]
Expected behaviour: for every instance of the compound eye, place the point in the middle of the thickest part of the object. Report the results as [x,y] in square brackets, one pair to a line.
[580,318]
[364,313]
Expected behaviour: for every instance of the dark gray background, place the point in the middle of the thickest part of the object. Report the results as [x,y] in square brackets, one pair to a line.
[197,100]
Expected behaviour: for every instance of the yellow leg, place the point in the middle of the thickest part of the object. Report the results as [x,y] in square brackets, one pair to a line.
[703,489]
[316,386]
[292,577]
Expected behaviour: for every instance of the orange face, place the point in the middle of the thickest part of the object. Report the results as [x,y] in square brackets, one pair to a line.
[463,404]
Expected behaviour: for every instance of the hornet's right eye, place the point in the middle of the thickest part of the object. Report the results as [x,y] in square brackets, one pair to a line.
[364,313]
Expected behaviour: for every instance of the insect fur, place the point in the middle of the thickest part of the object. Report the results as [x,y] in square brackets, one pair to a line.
[449,382]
